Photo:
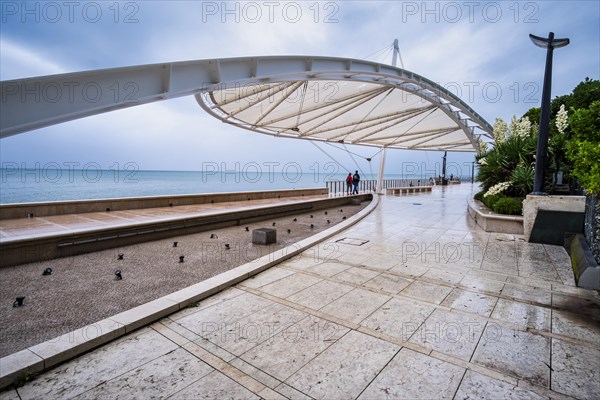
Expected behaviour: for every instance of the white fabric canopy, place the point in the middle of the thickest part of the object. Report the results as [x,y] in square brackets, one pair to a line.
[349,112]
[317,98]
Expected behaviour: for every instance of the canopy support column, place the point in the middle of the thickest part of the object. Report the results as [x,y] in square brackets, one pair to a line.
[381,170]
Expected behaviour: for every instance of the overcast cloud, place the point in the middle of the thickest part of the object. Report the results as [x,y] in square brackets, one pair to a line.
[479,50]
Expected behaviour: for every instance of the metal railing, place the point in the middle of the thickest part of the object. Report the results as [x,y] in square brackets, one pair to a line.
[370,185]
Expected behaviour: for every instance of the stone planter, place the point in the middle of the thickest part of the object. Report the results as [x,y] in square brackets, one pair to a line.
[489,221]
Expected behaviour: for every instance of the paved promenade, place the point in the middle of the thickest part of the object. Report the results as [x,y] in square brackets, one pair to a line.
[414,301]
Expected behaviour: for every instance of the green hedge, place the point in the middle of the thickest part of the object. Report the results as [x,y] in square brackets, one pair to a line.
[502,204]
[479,195]
[508,205]
[489,201]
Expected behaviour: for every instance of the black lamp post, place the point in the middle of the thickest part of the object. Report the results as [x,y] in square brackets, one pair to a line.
[444,169]
[542,143]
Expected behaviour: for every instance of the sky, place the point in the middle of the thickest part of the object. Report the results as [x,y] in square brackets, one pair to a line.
[480,50]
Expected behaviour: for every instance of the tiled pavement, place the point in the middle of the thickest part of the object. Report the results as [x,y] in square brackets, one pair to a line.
[429,307]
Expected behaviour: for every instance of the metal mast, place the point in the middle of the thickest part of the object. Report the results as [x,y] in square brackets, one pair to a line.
[395,56]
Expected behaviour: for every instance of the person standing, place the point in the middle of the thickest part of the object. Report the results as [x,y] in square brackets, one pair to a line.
[355,180]
[349,183]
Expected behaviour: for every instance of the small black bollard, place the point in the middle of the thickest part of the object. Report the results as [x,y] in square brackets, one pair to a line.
[311,226]
[328,221]
[295,219]
[227,247]
[120,256]
[213,236]
[273,223]
[19,302]
[47,271]
[175,244]
[289,231]
[118,275]
[181,258]
[247,229]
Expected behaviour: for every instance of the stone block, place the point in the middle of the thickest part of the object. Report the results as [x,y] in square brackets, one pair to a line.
[264,236]
[585,267]
[550,227]
[551,203]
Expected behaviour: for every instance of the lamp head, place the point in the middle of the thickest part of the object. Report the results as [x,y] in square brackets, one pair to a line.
[544,43]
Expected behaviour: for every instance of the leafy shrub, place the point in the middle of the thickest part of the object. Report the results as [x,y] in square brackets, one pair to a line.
[479,195]
[508,205]
[522,179]
[489,201]
[584,147]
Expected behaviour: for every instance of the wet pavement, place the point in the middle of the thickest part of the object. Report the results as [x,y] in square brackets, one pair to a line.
[414,301]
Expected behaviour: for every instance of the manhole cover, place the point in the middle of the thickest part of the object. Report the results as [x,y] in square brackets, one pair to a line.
[352,242]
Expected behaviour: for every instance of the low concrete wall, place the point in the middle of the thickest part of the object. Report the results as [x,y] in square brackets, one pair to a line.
[587,271]
[407,189]
[22,210]
[45,247]
[532,203]
[492,222]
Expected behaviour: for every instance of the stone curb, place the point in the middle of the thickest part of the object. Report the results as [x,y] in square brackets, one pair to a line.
[43,356]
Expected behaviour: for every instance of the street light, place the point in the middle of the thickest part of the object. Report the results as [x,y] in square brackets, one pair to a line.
[444,182]
[542,143]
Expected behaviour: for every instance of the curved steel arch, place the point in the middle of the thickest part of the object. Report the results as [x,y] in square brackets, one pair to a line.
[33,103]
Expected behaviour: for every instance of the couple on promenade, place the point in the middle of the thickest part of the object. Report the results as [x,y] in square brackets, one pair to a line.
[352,183]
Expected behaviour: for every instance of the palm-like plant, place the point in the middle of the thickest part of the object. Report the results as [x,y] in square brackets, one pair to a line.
[499,164]
[522,180]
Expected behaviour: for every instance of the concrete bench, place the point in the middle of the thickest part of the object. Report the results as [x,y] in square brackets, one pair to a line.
[408,189]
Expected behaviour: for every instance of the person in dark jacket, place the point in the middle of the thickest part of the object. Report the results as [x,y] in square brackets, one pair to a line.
[355,180]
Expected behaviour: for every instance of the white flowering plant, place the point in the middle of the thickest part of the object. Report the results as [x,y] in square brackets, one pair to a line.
[483,147]
[562,119]
[498,188]
[500,130]
[522,128]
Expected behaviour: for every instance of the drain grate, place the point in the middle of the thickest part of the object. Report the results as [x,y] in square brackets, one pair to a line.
[352,242]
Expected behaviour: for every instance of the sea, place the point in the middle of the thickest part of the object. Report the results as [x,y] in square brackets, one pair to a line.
[45,184]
